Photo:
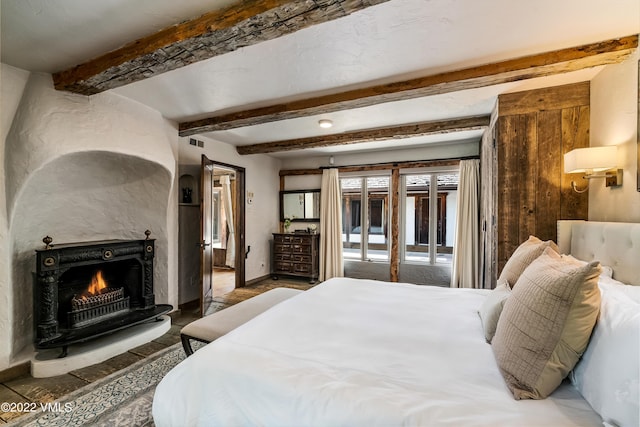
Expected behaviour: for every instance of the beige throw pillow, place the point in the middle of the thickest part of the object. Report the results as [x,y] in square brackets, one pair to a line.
[524,255]
[491,308]
[546,323]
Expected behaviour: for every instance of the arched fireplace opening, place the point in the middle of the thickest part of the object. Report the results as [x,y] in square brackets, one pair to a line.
[86,197]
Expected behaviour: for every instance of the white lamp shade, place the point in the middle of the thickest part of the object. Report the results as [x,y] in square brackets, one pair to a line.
[591,159]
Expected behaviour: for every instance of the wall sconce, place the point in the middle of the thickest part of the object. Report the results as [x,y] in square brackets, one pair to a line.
[594,162]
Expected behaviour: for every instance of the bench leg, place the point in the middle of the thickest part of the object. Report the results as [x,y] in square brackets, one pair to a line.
[186,344]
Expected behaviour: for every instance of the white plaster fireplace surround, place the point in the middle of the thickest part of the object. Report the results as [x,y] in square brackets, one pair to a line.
[84,169]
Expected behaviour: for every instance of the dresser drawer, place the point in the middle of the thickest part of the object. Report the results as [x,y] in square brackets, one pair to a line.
[301,258]
[282,248]
[282,257]
[283,267]
[302,268]
[283,238]
[301,249]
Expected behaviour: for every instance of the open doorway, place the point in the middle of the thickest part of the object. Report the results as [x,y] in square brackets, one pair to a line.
[222,230]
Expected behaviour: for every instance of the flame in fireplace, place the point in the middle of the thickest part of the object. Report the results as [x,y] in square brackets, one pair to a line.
[96,286]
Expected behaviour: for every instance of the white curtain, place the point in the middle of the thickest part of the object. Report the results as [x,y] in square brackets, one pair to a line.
[331,262]
[228,210]
[465,267]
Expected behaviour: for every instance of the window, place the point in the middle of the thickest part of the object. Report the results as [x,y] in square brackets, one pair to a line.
[427,217]
[368,242]
[429,205]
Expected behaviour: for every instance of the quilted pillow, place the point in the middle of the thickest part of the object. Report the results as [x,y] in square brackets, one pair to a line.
[546,323]
[491,308]
[524,254]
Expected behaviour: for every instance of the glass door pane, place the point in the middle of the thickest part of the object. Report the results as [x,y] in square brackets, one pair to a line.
[351,217]
[447,213]
[377,214]
[416,218]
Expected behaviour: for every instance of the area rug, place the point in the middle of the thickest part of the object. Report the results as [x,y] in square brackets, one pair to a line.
[123,398]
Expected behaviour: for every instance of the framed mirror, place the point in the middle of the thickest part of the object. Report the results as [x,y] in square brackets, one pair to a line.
[300,205]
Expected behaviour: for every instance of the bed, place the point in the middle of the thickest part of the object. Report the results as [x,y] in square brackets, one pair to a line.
[352,352]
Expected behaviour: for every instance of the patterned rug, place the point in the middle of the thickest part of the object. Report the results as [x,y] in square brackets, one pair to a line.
[123,398]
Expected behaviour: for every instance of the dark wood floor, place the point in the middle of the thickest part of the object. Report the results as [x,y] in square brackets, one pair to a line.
[25,388]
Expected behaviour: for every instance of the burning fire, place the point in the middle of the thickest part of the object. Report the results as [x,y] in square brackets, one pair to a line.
[96,286]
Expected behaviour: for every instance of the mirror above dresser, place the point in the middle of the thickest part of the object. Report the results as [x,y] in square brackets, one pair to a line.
[300,205]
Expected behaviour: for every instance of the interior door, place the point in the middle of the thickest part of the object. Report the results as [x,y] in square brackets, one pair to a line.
[206,233]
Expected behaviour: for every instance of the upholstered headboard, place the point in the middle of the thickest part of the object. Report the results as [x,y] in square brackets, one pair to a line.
[615,244]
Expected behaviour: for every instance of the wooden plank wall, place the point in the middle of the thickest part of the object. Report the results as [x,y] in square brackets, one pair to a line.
[488,204]
[534,130]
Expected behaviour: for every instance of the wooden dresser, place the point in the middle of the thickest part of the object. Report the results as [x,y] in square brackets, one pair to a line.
[295,254]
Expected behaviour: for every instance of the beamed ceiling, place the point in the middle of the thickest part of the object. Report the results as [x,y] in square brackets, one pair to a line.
[259,74]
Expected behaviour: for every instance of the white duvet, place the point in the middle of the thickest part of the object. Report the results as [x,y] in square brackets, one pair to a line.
[354,352]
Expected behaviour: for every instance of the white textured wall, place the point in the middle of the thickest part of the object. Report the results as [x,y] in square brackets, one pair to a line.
[12,84]
[85,168]
[170,130]
[303,182]
[262,179]
[431,152]
[614,121]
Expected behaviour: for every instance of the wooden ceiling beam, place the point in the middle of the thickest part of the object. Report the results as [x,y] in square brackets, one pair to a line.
[527,67]
[370,135]
[243,24]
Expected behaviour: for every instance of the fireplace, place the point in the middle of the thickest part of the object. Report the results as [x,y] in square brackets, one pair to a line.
[86,290]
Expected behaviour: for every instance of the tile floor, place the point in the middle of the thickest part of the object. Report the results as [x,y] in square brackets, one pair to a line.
[25,388]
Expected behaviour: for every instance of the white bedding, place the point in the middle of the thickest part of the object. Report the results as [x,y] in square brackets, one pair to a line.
[354,352]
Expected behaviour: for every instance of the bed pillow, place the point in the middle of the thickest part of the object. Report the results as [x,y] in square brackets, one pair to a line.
[524,254]
[619,289]
[607,375]
[546,323]
[606,270]
[491,308]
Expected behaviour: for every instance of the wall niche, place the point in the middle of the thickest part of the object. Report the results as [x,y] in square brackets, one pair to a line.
[188,193]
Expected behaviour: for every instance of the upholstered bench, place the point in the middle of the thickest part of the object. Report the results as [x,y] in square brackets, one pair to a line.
[215,325]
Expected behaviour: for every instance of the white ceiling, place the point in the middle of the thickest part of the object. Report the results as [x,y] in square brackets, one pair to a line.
[395,40]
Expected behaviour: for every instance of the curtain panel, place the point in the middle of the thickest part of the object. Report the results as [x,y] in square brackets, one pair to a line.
[228,209]
[465,263]
[331,261]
